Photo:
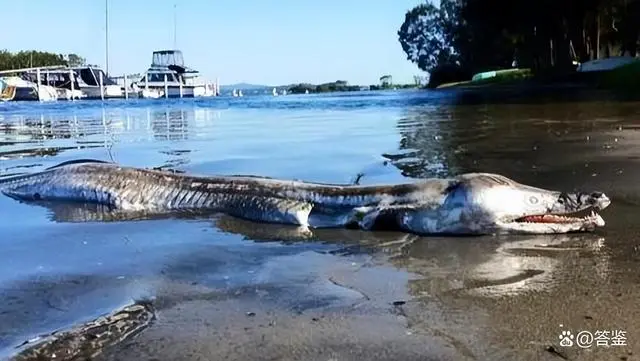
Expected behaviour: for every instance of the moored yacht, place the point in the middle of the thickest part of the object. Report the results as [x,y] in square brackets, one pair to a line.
[15,88]
[169,77]
[90,78]
[69,83]
[63,80]
[158,82]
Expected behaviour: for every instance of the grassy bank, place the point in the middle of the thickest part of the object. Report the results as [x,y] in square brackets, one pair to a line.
[499,77]
[625,78]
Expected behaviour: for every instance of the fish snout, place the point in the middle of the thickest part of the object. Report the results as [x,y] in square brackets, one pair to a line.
[581,200]
[598,200]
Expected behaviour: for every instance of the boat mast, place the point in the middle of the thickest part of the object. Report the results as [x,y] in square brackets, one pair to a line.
[106,35]
[175,28]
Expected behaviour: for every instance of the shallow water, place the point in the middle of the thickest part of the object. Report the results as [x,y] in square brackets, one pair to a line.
[474,293]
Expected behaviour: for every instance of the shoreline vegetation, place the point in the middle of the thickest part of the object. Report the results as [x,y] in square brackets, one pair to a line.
[343,86]
[525,43]
[34,58]
[625,78]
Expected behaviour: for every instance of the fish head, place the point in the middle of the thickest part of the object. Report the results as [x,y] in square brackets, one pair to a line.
[497,204]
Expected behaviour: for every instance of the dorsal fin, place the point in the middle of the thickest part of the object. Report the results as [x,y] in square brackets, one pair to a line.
[77,161]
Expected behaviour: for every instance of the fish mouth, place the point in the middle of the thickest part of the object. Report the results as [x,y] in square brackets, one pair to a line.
[571,210]
[585,216]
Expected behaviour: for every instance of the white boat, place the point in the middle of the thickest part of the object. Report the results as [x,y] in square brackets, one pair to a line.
[274,92]
[168,76]
[68,94]
[128,84]
[16,89]
[70,83]
[63,80]
[166,82]
[84,84]
[152,93]
[201,88]
[89,79]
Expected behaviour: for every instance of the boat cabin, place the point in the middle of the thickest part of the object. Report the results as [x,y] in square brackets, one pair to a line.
[91,76]
[158,76]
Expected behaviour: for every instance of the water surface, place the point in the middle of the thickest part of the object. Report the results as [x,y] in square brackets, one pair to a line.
[485,297]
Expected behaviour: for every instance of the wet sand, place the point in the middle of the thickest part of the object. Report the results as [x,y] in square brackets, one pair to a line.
[500,300]
[339,315]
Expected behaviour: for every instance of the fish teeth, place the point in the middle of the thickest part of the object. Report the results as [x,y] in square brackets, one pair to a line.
[592,217]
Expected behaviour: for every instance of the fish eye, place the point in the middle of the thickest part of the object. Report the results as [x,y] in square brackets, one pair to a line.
[533,199]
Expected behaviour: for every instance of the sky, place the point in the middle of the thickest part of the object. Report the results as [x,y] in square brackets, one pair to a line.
[254,41]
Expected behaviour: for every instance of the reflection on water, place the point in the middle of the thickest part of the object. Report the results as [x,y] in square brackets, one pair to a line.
[482,266]
[48,135]
[479,266]
[514,139]
[521,266]
[168,125]
[423,153]
[120,124]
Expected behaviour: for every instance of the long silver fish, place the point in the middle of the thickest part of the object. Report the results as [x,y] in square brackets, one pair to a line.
[473,203]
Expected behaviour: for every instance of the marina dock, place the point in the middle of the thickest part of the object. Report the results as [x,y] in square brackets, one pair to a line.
[167,77]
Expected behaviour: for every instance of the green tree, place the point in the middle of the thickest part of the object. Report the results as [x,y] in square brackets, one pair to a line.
[28,59]
[75,60]
[480,35]
[425,36]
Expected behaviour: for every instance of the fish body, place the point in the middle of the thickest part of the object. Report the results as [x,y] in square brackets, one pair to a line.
[474,203]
